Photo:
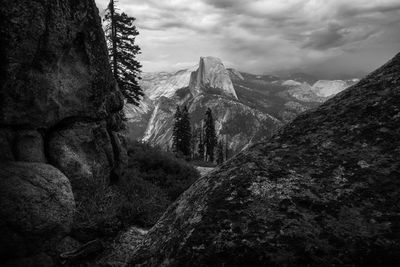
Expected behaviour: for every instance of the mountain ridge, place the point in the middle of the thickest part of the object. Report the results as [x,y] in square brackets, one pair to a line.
[276,98]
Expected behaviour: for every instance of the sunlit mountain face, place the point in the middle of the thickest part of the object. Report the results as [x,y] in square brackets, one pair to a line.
[247,108]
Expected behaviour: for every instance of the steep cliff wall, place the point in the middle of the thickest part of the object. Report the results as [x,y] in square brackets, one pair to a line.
[211,74]
[324,191]
[59,106]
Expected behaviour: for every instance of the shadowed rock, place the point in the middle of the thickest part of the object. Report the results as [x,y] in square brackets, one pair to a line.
[59,104]
[54,63]
[323,191]
[36,207]
[83,152]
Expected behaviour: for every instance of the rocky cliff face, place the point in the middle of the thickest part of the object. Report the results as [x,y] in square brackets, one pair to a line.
[59,107]
[324,191]
[211,74]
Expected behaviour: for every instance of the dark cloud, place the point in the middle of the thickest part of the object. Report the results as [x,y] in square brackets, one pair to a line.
[372,7]
[335,35]
[223,3]
[331,36]
[263,36]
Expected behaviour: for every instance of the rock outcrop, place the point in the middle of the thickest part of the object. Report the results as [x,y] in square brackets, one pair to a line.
[59,105]
[83,151]
[36,207]
[211,75]
[54,61]
[324,191]
[324,88]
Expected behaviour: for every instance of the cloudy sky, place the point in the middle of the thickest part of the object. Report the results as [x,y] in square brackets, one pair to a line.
[324,37]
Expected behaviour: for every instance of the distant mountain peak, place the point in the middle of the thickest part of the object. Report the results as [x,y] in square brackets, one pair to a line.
[211,74]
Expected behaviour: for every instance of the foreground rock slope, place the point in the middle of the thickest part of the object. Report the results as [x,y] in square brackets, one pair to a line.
[324,191]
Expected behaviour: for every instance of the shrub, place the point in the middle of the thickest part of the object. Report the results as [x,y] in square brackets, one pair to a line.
[152,180]
[96,211]
[144,202]
[163,169]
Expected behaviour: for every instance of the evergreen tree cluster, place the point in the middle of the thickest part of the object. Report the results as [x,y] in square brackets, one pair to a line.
[182,132]
[121,33]
[210,137]
[197,143]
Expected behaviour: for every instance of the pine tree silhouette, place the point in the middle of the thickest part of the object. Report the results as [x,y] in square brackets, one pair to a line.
[210,139]
[121,33]
[176,138]
[220,152]
[186,132]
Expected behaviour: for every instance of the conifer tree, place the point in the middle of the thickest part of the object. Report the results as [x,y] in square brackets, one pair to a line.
[186,132]
[176,138]
[210,139]
[120,35]
[201,142]
[182,132]
[220,152]
[226,148]
[193,142]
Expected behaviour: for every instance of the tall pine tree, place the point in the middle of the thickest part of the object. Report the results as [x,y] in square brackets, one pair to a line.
[220,152]
[182,132]
[193,142]
[186,131]
[176,132]
[120,35]
[210,139]
[200,150]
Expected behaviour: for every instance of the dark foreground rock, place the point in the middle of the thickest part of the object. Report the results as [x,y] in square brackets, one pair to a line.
[324,191]
[36,207]
[59,105]
[54,63]
[84,152]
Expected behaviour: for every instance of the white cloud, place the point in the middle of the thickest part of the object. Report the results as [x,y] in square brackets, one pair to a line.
[259,36]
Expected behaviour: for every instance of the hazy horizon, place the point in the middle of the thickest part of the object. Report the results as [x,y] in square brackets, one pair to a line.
[328,39]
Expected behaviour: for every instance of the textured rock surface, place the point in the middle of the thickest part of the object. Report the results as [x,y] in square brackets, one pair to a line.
[29,146]
[6,140]
[83,152]
[324,191]
[36,205]
[56,74]
[58,104]
[55,63]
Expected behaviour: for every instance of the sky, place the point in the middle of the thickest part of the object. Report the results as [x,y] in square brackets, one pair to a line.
[328,38]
